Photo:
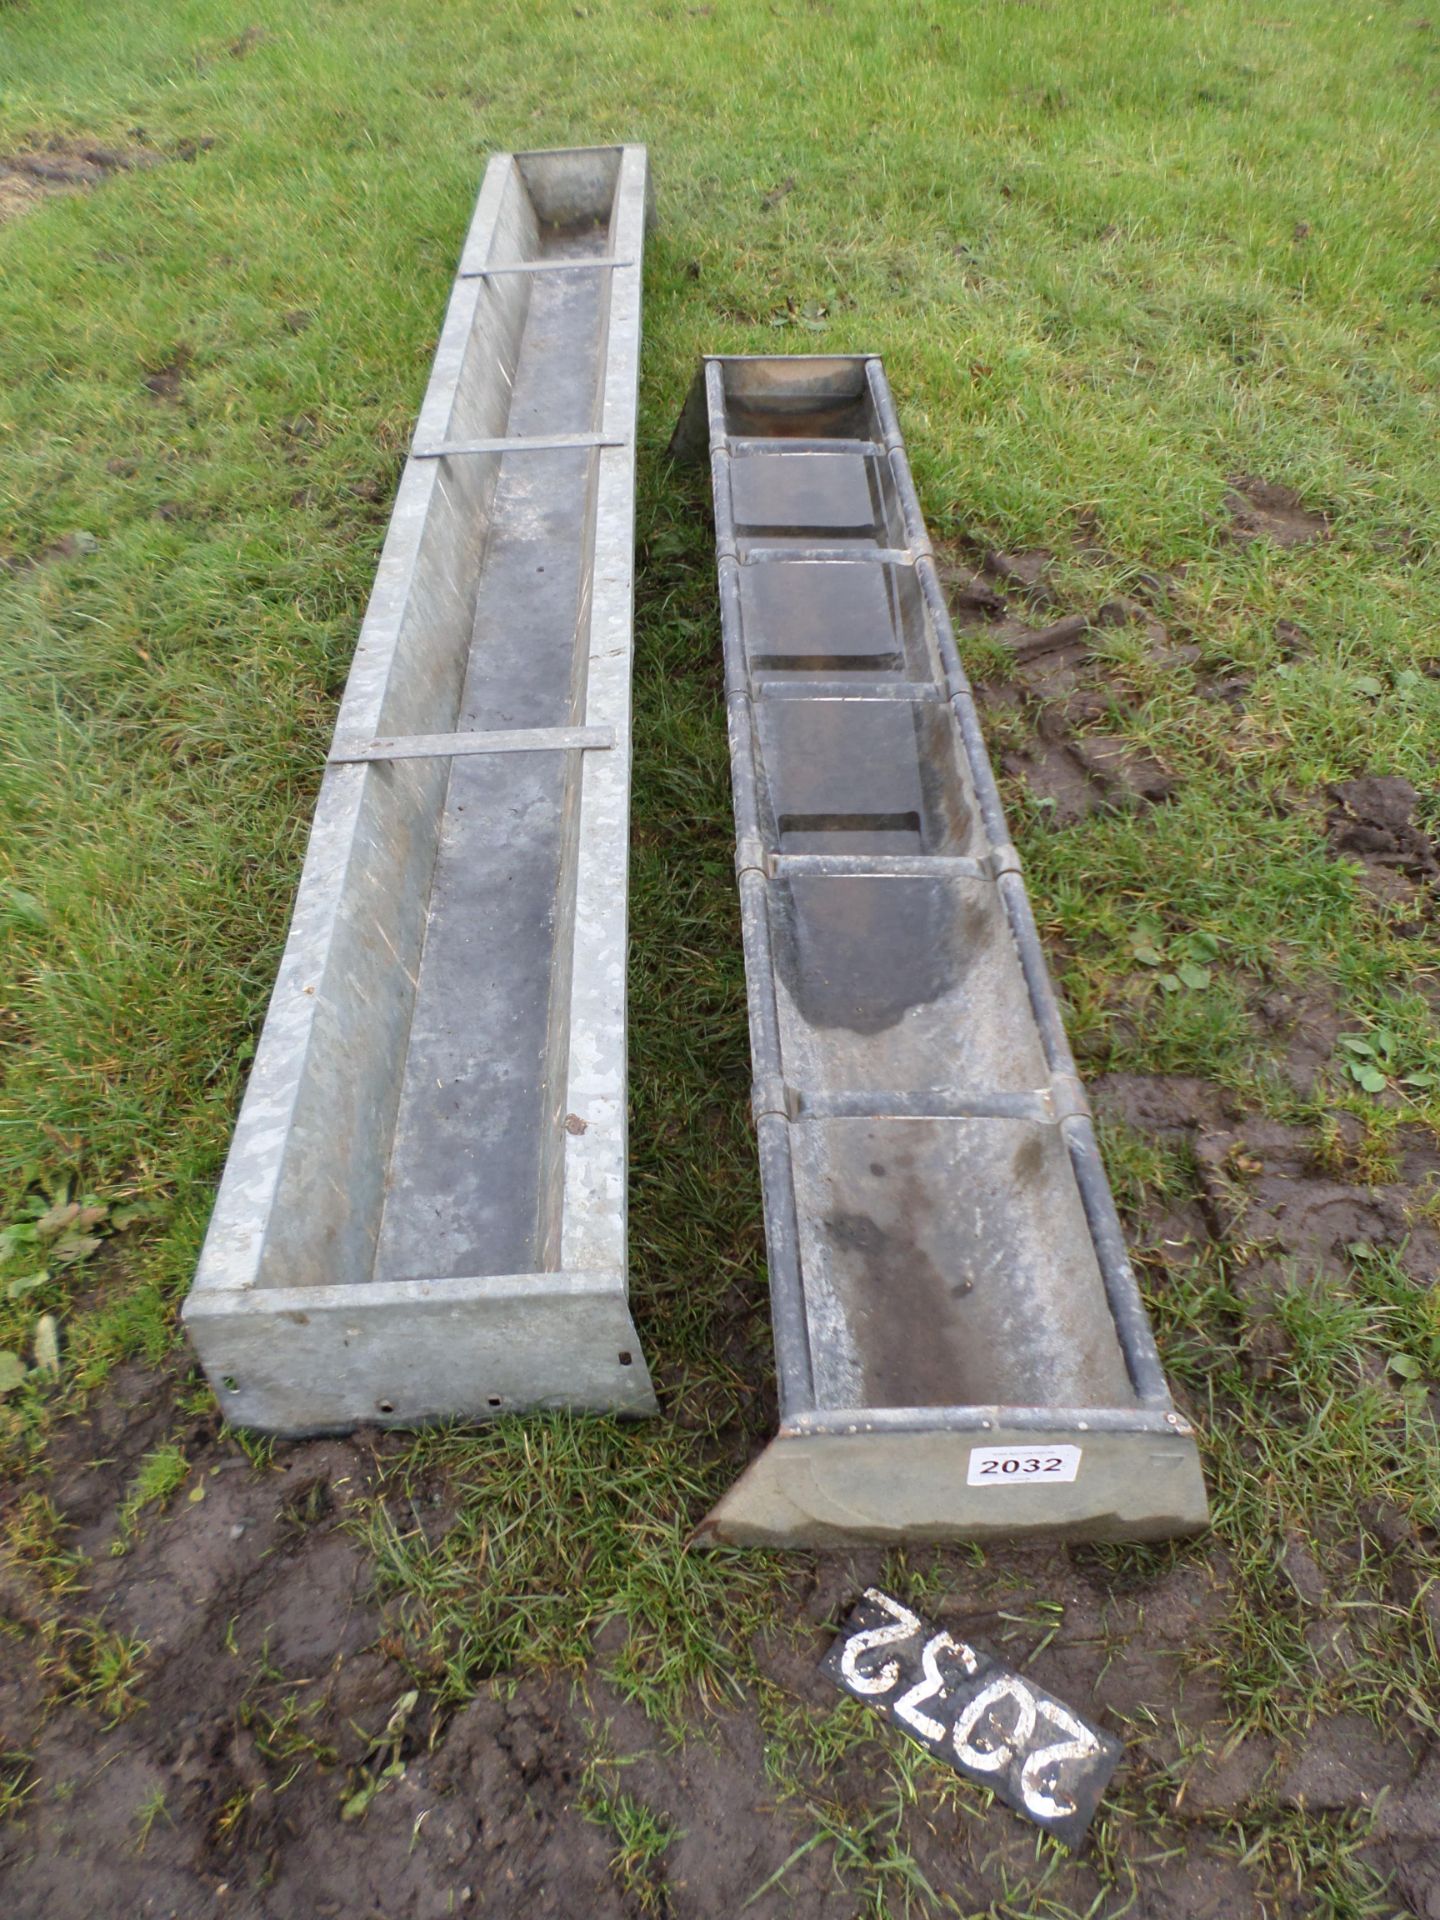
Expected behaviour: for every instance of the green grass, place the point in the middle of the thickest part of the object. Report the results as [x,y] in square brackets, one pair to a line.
[1113,255]
[642,1837]
[161,1473]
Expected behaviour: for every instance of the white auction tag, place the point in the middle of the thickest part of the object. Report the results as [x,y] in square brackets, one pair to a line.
[1015,1466]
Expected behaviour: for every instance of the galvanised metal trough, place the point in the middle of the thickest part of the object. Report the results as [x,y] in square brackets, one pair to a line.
[423,1211]
[961,1348]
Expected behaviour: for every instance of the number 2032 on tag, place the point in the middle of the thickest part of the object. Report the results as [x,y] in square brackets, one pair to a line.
[1022,1466]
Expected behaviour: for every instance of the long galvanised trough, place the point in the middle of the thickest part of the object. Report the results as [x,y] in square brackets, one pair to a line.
[423,1211]
[961,1347]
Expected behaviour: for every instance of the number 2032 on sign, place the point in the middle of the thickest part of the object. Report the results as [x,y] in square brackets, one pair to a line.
[967,1708]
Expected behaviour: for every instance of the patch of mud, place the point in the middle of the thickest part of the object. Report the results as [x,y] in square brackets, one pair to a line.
[64,166]
[1074,765]
[252,1602]
[1372,820]
[1025,574]
[1277,1196]
[1166,1104]
[732,1834]
[70,546]
[1345,1763]
[1289,1209]
[1266,510]
[1306,1024]
[273,1695]
[1090,774]
[167,381]
[270,1695]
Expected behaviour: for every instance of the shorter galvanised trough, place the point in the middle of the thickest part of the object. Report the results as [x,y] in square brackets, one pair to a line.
[423,1211]
[961,1346]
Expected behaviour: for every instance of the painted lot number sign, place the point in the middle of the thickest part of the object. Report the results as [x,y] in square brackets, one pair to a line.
[988,1722]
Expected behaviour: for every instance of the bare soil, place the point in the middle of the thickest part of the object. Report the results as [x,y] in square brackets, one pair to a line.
[272,1680]
[1074,763]
[63,166]
[1266,510]
[66,165]
[1372,820]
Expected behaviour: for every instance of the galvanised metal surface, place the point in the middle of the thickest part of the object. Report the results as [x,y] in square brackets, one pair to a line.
[423,1211]
[961,1346]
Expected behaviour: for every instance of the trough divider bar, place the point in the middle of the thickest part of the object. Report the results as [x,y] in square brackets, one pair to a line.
[763,556]
[442,746]
[596,263]
[437,1291]
[920,693]
[922,1103]
[752,448]
[520,443]
[879,866]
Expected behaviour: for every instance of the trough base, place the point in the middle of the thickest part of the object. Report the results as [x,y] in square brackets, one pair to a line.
[842,1489]
[309,1360]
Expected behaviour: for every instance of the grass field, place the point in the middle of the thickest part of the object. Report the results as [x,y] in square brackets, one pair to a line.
[1117,258]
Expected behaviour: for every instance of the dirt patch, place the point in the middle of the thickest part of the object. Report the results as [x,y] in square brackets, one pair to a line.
[271,1704]
[1288,1208]
[1275,1196]
[64,166]
[1025,574]
[1306,1024]
[1165,1104]
[1266,510]
[167,381]
[275,1701]
[1074,764]
[260,1660]
[1372,820]
[1278,1196]
[1075,777]
[71,546]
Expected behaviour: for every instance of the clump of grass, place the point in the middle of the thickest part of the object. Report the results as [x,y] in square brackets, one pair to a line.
[32,1542]
[560,1525]
[151,1810]
[88,1663]
[286,1737]
[160,1474]
[17,1780]
[641,1835]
